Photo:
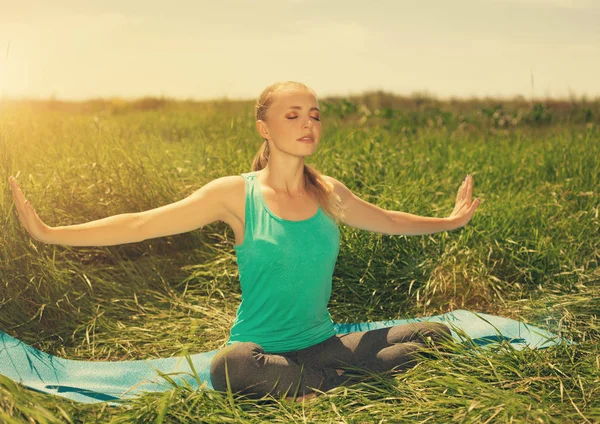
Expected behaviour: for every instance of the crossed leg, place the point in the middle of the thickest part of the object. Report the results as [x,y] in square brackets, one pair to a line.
[386,349]
[252,371]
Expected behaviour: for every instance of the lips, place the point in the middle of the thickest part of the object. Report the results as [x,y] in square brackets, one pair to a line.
[306,138]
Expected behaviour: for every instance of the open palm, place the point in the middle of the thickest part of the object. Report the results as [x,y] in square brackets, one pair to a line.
[27,215]
[465,207]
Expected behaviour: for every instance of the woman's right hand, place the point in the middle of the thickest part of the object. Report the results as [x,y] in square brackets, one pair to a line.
[27,215]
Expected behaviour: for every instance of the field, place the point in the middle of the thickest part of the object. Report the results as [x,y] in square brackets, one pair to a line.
[530,253]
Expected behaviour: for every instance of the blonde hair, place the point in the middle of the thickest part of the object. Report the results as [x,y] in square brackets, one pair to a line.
[329,201]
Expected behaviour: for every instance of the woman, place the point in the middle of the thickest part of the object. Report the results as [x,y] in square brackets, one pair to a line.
[284,216]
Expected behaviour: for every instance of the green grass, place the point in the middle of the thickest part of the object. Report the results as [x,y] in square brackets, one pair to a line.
[531,251]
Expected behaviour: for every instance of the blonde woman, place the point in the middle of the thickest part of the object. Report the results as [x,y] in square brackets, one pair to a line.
[284,215]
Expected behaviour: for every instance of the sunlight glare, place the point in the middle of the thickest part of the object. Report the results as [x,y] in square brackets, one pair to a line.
[13,72]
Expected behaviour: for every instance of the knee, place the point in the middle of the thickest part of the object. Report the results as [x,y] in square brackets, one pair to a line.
[236,362]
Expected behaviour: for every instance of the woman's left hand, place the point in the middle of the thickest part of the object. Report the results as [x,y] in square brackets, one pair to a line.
[464,208]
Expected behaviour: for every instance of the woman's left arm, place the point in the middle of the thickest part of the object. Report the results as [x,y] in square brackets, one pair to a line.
[366,216]
[412,225]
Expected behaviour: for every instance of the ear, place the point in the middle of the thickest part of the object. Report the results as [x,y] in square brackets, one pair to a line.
[262,129]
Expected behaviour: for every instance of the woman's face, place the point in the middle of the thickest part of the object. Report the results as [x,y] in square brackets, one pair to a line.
[293,114]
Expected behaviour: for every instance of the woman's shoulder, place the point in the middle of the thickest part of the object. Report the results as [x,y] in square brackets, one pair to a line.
[232,189]
[338,187]
[335,184]
[229,182]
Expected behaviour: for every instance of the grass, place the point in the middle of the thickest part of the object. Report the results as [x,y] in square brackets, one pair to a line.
[530,253]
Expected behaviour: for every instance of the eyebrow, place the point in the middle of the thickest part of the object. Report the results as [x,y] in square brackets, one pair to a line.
[298,107]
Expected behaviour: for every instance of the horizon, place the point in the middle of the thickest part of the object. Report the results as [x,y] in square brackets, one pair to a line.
[415,95]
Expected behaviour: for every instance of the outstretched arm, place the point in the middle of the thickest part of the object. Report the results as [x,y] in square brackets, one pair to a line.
[204,206]
[118,229]
[366,216]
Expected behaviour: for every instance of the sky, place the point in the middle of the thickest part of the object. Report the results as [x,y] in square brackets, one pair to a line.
[77,50]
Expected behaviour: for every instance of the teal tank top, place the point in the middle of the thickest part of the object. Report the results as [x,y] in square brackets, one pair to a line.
[285,270]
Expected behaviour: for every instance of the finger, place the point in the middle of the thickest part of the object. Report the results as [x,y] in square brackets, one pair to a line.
[465,194]
[16,201]
[461,191]
[469,187]
[22,211]
[15,189]
[19,197]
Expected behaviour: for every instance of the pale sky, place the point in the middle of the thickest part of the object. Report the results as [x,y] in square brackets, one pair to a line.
[200,49]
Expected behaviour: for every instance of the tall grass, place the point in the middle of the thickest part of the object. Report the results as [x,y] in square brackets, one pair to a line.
[531,252]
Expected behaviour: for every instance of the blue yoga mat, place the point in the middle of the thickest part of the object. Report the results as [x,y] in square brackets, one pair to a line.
[94,381]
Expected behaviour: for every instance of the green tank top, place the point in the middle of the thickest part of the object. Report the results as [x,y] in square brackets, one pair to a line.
[285,270]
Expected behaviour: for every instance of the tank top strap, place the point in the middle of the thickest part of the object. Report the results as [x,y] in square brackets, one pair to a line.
[251,210]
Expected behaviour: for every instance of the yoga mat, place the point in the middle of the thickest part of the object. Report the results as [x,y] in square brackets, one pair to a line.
[96,381]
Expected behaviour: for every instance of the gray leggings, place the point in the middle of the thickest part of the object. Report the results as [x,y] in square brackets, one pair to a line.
[254,373]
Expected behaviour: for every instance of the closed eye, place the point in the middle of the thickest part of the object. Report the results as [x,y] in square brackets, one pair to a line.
[316,119]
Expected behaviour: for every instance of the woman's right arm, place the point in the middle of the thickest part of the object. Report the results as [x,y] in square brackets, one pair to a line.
[117,229]
[206,205]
